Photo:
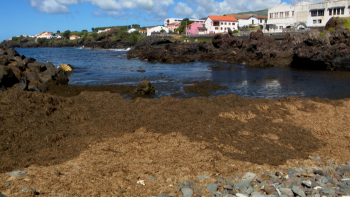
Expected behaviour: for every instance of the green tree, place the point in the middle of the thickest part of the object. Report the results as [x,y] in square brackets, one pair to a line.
[42,41]
[132,38]
[93,29]
[162,31]
[84,31]
[66,34]
[136,26]
[123,35]
[183,24]
[58,31]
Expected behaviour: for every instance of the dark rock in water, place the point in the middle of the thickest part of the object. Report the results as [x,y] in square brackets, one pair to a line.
[144,87]
[62,80]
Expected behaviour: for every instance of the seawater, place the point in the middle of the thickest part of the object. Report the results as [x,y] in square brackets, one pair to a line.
[111,67]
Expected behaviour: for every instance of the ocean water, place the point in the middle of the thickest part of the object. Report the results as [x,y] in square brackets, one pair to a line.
[111,67]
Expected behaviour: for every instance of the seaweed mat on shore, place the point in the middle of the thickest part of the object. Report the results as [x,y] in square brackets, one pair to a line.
[98,143]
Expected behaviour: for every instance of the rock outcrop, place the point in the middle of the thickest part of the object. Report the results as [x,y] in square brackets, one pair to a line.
[329,49]
[26,73]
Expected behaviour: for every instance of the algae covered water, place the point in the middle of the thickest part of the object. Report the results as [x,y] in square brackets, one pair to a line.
[111,67]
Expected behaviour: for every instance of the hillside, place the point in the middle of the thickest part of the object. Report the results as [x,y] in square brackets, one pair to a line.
[258,12]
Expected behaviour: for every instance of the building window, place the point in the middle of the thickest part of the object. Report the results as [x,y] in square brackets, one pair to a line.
[225,23]
[260,20]
[221,28]
[216,28]
[314,21]
[281,14]
[342,11]
[320,12]
[330,12]
[276,15]
[281,27]
[286,14]
[271,15]
[292,13]
[319,21]
[222,23]
[314,13]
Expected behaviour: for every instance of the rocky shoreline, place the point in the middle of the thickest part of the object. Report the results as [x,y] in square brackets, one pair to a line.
[27,74]
[313,50]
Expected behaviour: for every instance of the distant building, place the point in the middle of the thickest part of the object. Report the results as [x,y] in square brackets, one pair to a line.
[156,29]
[101,31]
[143,32]
[173,26]
[305,14]
[192,29]
[245,20]
[131,30]
[220,24]
[73,37]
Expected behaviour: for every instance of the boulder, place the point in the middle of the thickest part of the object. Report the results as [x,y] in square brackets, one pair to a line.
[66,67]
[11,52]
[145,87]
[7,77]
[20,65]
[3,60]
[37,86]
[32,76]
[28,60]
[22,85]
[3,51]
[35,66]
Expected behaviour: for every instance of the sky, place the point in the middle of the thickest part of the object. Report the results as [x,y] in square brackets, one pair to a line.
[30,17]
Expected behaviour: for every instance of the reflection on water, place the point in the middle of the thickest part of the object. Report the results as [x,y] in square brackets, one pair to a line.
[111,67]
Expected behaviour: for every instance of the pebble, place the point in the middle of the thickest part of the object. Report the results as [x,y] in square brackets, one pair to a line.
[8,184]
[286,191]
[242,184]
[298,191]
[212,187]
[187,192]
[241,195]
[15,173]
[163,195]
[248,175]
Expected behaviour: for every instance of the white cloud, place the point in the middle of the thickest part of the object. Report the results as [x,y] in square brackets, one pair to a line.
[181,9]
[49,6]
[208,7]
[293,2]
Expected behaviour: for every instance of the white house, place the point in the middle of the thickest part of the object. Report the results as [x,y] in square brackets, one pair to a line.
[220,24]
[131,30]
[101,31]
[305,14]
[157,29]
[245,20]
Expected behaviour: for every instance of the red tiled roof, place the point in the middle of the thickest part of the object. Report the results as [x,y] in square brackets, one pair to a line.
[142,30]
[222,18]
[73,36]
[261,17]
